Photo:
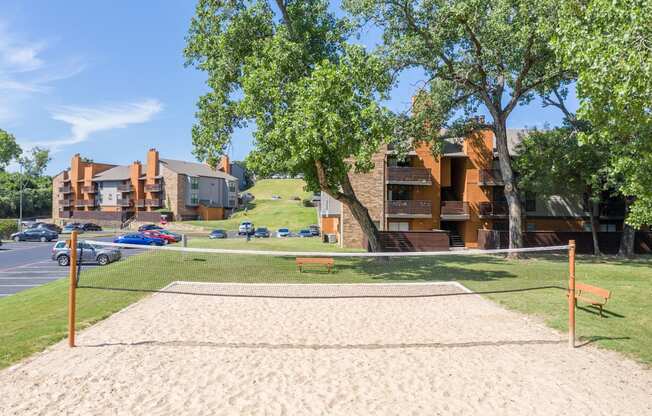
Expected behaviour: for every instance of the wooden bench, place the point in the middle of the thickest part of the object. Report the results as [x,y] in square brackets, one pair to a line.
[593,295]
[318,261]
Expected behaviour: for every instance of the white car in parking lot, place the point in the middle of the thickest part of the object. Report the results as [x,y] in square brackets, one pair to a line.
[246,227]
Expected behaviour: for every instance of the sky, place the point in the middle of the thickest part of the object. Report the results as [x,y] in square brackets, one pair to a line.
[107,80]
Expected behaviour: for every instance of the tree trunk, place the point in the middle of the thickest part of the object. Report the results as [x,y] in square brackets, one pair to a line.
[511,191]
[629,234]
[595,225]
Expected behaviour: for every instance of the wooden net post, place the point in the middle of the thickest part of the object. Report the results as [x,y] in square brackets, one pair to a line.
[571,293]
[72,289]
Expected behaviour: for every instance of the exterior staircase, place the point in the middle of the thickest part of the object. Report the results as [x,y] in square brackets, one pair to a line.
[455,240]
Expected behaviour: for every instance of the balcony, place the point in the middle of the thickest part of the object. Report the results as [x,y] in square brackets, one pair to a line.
[493,210]
[152,202]
[67,189]
[490,177]
[156,187]
[454,211]
[125,188]
[409,209]
[65,203]
[85,203]
[123,202]
[408,176]
[140,203]
[88,189]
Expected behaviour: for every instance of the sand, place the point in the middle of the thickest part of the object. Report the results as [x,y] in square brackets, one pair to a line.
[201,355]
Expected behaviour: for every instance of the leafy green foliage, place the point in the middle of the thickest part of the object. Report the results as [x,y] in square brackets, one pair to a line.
[9,149]
[609,44]
[8,227]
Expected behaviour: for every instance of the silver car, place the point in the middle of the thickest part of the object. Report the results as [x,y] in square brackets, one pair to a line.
[88,252]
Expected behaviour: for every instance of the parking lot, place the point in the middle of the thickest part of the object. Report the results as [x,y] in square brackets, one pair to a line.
[25,265]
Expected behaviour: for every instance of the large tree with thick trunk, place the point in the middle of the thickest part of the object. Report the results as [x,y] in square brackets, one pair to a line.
[285,67]
[493,53]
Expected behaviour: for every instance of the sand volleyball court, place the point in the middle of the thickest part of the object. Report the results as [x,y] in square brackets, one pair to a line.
[206,355]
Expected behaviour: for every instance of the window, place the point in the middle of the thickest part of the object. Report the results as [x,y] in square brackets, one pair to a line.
[399,226]
[194,200]
[608,228]
[531,227]
[399,193]
[231,186]
[530,202]
[231,202]
[586,226]
[194,183]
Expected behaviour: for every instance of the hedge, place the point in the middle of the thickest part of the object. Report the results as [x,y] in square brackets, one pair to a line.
[8,227]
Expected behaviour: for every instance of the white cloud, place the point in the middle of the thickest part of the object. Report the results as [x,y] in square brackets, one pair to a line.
[84,121]
[23,71]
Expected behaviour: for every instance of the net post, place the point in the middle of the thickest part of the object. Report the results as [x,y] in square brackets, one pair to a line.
[571,293]
[72,289]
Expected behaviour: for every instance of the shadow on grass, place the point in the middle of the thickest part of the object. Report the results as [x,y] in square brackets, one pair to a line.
[596,338]
[595,311]
[288,346]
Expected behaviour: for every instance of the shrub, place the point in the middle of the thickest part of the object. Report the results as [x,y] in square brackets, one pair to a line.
[308,203]
[296,198]
[8,227]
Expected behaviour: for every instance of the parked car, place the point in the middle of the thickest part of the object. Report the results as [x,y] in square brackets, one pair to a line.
[139,238]
[89,226]
[149,227]
[35,234]
[177,237]
[314,229]
[48,226]
[87,252]
[217,234]
[246,227]
[305,233]
[283,232]
[262,232]
[276,197]
[73,226]
[157,234]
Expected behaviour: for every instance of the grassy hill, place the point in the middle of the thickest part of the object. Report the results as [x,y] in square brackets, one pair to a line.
[266,212]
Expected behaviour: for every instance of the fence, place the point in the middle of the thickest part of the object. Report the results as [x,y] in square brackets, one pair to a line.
[414,241]
[609,241]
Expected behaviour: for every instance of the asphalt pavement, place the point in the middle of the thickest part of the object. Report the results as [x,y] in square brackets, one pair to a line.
[25,265]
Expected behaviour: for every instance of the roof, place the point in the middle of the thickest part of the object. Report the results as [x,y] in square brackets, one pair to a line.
[514,138]
[118,173]
[195,169]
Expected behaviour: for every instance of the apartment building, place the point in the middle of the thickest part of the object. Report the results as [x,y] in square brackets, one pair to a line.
[104,192]
[460,191]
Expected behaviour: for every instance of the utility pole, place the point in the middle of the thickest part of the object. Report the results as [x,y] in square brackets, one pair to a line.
[20,197]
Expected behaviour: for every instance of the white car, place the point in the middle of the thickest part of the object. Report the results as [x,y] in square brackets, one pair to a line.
[246,227]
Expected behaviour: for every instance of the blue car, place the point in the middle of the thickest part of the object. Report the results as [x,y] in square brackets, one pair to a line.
[217,234]
[283,232]
[305,233]
[139,239]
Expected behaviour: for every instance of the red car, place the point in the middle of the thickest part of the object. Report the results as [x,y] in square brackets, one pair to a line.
[155,234]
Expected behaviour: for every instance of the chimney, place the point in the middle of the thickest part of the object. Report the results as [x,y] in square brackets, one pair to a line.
[152,165]
[225,165]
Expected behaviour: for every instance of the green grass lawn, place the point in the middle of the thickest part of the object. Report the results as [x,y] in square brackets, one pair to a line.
[276,244]
[34,319]
[273,214]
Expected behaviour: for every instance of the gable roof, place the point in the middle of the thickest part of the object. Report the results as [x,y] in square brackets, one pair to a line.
[118,173]
[195,169]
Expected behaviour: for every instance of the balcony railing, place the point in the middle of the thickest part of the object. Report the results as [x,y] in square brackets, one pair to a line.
[454,210]
[140,203]
[65,189]
[85,203]
[409,208]
[156,187]
[490,177]
[492,209]
[123,202]
[125,188]
[65,203]
[408,176]
[153,202]
[88,189]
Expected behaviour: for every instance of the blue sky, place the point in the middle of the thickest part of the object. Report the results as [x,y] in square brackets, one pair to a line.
[107,80]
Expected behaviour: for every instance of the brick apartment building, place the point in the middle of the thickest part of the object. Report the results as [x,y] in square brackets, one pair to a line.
[460,192]
[90,191]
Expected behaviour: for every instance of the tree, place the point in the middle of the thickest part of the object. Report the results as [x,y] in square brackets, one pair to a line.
[9,149]
[555,162]
[609,45]
[35,164]
[475,52]
[312,97]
